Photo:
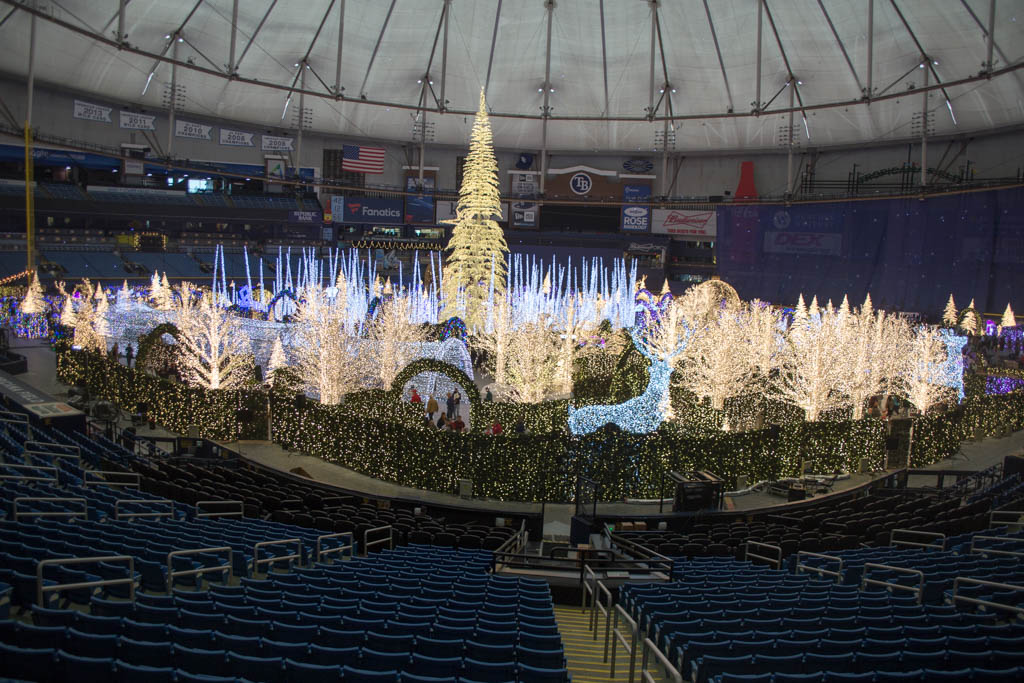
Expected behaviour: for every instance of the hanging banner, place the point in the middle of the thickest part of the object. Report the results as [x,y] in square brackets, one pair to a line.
[194,131]
[523,184]
[446,209]
[303,216]
[273,143]
[132,121]
[92,112]
[236,138]
[635,218]
[524,215]
[367,210]
[419,208]
[275,167]
[684,222]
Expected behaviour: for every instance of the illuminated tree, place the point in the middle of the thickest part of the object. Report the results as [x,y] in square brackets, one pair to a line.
[532,369]
[326,350]
[925,370]
[762,337]
[124,295]
[213,349]
[85,327]
[873,347]
[497,338]
[477,246]
[949,315]
[100,322]
[1008,319]
[395,342]
[67,311]
[33,302]
[160,293]
[718,364]
[574,332]
[969,320]
[810,375]
[278,360]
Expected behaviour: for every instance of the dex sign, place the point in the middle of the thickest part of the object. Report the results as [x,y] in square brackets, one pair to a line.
[816,243]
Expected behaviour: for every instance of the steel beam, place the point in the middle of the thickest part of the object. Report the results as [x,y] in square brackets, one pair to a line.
[757,77]
[173,104]
[120,20]
[604,57]
[341,42]
[929,65]
[549,7]
[234,36]
[303,67]
[785,60]
[423,128]
[252,38]
[443,104]
[319,29]
[991,34]
[871,49]
[376,48]
[842,47]
[494,40]
[924,131]
[654,28]
[789,140]
[718,51]
[30,205]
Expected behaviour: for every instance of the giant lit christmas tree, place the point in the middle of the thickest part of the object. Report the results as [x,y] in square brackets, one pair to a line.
[477,247]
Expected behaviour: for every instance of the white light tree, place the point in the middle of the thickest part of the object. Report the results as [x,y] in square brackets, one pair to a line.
[160,292]
[100,323]
[718,364]
[33,303]
[477,247]
[924,370]
[1008,318]
[395,342]
[124,295]
[574,332]
[762,337]
[949,314]
[85,327]
[497,338]
[532,369]
[278,360]
[970,322]
[872,345]
[67,311]
[213,349]
[810,374]
[326,350]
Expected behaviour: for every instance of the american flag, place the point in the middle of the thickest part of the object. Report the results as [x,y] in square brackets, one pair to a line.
[362,159]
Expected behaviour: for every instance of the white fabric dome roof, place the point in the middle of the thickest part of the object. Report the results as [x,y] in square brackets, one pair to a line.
[77,48]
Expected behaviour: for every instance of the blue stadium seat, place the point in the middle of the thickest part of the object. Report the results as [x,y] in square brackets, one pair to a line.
[267,669]
[243,645]
[85,669]
[189,677]
[354,675]
[439,667]
[538,675]
[144,653]
[206,662]
[489,672]
[132,673]
[541,659]
[190,637]
[311,673]
[23,663]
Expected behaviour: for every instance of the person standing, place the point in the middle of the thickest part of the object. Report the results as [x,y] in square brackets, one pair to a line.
[431,407]
[415,396]
[450,405]
[128,355]
[458,401]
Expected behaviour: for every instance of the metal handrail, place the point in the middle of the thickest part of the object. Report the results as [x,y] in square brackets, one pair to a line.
[84,512]
[607,610]
[588,589]
[341,548]
[86,481]
[133,515]
[18,418]
[777,549]
[838,574]
[50,454]
[1003,539]
[619,638]
[671,671]
[256,561]
[130,579]
[389,539]
[988,603]
[1017,519]
[240,512]
[893,541]
[34,443]
[171,574]
[901,570]
[26,477]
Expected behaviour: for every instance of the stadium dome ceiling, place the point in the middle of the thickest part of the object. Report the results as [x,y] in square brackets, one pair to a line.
[706,72]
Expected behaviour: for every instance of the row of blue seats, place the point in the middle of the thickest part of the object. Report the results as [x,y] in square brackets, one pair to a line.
[966,675]
[841,655]
[59,666]
[30,635]
[897,662]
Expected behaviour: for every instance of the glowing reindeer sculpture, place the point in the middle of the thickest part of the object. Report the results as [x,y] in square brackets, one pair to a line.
[660,341]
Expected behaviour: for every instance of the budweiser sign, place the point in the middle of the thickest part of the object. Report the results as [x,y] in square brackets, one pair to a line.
[683,222]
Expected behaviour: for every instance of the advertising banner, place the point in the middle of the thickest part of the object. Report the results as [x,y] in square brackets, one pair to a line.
[524,215]
[132,121]
[236,138]
[194,131]
[419,208]
[303,216]
[523,184]
[92,112]
[368,210]
[274,143]
[817,243]
[684,222]
[635,218]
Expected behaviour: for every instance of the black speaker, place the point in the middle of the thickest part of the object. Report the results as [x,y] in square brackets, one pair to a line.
[1013,464]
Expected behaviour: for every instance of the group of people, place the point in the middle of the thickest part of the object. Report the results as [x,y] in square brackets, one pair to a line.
[451,418]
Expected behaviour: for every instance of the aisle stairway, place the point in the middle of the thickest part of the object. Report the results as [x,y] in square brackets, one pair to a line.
[584,654]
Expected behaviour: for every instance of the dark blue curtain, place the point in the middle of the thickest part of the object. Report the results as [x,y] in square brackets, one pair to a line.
[908,253]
